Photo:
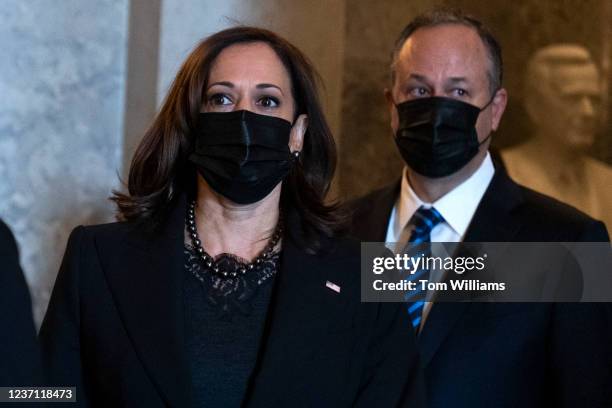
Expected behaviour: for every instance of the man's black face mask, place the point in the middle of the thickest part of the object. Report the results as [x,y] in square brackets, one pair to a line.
[437,136]
[242,155]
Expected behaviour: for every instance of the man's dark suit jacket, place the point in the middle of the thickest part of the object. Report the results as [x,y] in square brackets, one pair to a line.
[114,327]
[19,353]
[509,355]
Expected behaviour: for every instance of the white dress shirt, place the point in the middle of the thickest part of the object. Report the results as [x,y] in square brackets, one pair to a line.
[457,207]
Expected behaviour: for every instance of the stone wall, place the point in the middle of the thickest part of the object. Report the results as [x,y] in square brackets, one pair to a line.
[62,86]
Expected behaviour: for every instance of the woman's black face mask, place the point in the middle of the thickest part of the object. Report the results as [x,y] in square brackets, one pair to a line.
[242,155]
[437,136]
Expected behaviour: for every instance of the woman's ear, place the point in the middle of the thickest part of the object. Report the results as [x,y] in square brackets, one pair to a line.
[296,138]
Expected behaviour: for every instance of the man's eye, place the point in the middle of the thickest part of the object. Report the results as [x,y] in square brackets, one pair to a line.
[268,102]
[460,92]
[418,92]
[219,99]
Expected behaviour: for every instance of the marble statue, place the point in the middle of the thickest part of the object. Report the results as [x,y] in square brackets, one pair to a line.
[563,101]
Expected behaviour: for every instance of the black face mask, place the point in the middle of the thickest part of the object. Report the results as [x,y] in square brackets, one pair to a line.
[242,155]
[437,136]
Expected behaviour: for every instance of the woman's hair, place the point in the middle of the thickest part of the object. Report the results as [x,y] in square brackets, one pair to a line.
[160,170]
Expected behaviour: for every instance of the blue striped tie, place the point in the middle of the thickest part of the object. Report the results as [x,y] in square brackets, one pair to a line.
[423,221]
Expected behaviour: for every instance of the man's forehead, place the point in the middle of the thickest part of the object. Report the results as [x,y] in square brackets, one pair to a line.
[449,50]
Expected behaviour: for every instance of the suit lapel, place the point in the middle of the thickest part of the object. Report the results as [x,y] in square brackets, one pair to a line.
[373,223]
[492,222]
[441,320]
[147,286]
[303,310]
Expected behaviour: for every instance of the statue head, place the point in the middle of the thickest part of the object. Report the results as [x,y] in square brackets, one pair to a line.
[562,95]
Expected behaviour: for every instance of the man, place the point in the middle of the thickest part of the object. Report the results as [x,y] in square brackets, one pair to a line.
[445,101]
[562,100]
[19,354]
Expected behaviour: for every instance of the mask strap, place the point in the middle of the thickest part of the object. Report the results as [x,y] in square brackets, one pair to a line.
[490,101]
[485,139]
[483,108]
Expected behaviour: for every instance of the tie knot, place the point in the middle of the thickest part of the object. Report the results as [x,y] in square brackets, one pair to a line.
[424,220]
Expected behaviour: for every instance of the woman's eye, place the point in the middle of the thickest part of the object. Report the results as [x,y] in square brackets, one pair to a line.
[219,99]
[268,102]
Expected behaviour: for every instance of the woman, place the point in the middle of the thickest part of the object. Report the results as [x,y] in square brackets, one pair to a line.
[225,285]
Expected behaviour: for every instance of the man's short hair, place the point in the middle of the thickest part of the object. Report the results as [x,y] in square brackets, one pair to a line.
[448,16]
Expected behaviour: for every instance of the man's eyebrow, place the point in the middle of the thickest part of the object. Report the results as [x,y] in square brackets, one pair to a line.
[456,80]
[418,77]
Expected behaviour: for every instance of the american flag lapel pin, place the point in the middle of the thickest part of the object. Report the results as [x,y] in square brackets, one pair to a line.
[333,286]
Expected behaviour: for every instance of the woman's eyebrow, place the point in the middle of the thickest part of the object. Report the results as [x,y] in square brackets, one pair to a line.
[258,86]
[264,85]
[222,83]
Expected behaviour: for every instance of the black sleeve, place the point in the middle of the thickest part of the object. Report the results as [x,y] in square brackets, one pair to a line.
[19,353]
[60,332]
[393,366]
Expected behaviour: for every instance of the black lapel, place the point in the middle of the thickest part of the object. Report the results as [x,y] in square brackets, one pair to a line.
[303,311]
[146,283]
[492,222]
[372,213]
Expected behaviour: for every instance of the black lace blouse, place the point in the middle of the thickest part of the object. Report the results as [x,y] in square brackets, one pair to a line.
[224,320]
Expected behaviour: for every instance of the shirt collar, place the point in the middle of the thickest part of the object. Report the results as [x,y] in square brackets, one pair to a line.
[457,206]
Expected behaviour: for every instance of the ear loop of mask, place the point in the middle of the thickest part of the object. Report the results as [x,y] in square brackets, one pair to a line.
[483,108]
[490,101]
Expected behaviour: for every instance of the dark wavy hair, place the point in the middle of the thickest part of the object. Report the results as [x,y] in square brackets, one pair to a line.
[160,171]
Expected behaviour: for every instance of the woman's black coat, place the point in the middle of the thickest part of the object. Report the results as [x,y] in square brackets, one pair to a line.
[115,329]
